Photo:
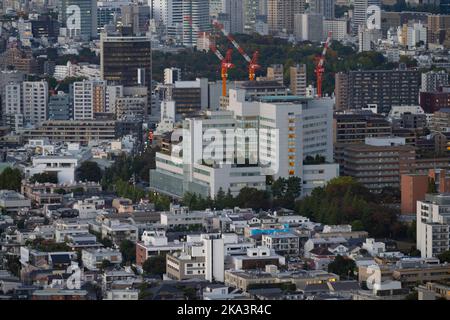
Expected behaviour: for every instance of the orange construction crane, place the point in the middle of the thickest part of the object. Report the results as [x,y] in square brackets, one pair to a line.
[225,62]
[252,62]
[320,67]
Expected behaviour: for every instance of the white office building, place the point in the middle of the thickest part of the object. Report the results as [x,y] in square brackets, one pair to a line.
[270,136]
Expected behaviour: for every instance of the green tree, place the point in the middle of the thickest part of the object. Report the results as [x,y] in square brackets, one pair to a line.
[44,177]
[444,256]
[105,264]
[128,250]
[11,179]
[89,171]
[155,265]
[343,267]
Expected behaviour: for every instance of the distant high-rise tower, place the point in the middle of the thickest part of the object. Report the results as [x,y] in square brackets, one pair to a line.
[198,11]
[235,12]
[280,14]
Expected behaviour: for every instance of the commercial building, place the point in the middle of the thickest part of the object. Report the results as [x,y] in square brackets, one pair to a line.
[126,61]
[360,12]
[437,29]
[234,9]
[74,131]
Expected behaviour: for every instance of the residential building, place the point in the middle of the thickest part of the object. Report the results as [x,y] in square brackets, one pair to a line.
[34,101]
[13,202]
[285,244]
[433,219]
[378,167]
[337,27]
[60,107]
[433,80]
[383,88]
[298,80]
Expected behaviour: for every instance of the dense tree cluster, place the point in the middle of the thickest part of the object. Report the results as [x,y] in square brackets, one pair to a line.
[44,177]
[155,265]
[272,51]
[10,179]
[345,201]
[89,171]
[344,267]
[283,193]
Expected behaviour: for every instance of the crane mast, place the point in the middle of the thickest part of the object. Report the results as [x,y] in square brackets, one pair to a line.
[320,68]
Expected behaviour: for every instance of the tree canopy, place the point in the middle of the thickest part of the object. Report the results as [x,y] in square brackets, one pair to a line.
[89,171]
[10,179]
[45,177]
[155,265]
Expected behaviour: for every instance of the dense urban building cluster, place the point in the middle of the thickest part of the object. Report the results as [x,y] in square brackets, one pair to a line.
[224,150]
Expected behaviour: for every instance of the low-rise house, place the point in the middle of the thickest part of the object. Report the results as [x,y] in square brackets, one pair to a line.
[155,243]
[93,258]
[12,201]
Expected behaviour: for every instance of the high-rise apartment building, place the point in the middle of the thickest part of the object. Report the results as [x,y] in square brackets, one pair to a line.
[83,100]
[383,88]
[323,7]
[280,15]
[198,11]
[235,13]
[34,101]
[433,224]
